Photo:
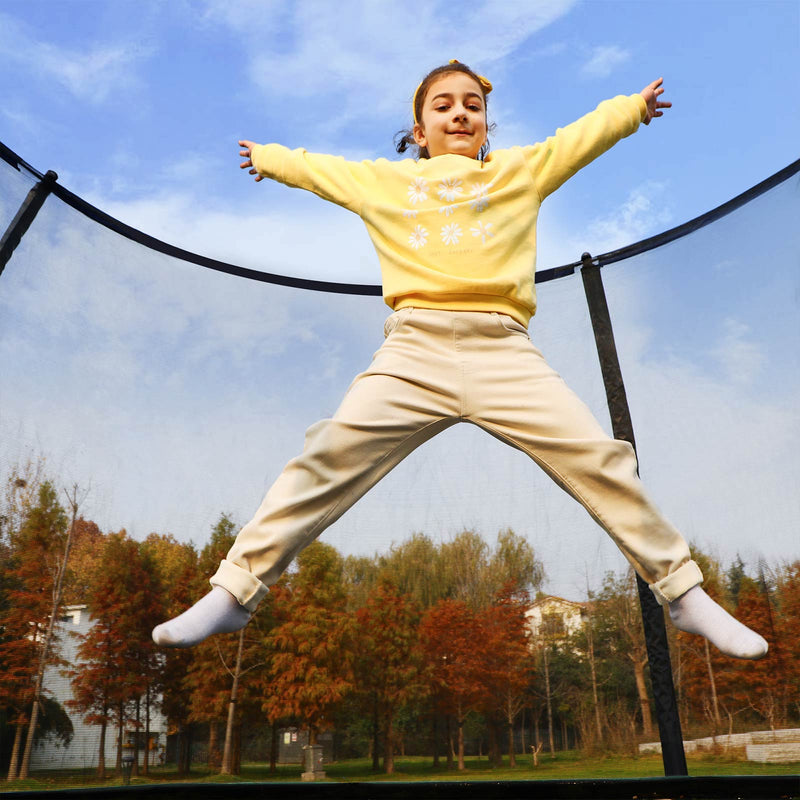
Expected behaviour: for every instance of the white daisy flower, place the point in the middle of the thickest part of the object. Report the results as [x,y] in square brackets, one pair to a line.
[449,189]
[419,237]
[480,191]
[447,210]
[451,233]
[482,230]
[409,213]
[418,190]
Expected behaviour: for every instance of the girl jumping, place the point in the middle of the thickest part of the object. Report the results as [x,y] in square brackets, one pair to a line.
[455,232]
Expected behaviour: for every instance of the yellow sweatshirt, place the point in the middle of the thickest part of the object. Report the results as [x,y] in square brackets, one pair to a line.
[452,232]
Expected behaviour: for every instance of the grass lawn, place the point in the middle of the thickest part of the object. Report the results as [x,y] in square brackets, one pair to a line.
[566,766]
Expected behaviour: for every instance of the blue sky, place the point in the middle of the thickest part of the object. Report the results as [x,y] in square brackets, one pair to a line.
[200,386]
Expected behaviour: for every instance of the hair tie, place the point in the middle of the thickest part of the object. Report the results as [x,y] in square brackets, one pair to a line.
[485,83]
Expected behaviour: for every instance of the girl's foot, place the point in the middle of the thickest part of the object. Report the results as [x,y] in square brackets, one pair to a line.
[217,612]
[696,612]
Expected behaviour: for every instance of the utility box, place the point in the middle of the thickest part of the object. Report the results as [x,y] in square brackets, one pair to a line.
[312,761]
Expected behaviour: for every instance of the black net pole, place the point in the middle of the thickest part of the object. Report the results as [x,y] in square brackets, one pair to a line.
[655,632]
[25,215]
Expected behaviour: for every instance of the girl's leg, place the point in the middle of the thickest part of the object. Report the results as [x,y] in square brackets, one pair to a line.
[536,412]
[406,396]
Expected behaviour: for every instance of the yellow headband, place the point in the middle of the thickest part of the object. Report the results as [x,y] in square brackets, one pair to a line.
[485,83]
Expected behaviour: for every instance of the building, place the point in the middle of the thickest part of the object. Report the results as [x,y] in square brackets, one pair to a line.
[83,750]
[555,617]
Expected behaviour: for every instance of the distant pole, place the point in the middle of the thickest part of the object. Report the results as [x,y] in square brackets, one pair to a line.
[25,215]
[655,631]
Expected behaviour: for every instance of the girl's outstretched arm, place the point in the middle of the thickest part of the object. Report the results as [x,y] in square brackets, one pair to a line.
[248,146]
[651,94]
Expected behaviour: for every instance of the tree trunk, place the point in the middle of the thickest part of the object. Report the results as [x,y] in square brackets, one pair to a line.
[147,731]
[101,753]
[435,725]
[376,727]
[227,751]
[12,768]
[460,722]
[273,749]
[449,735]
[549,701]
[712,683]
[135,769]
[388,747]
[236,761]
[213,745]
[512,756]
[644,700]
[593,672]
[120,738]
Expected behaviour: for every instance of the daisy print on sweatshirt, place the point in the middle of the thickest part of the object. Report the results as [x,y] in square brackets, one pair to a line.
[482,229]
[451,233]
[418,238]
[418,191]
[480,194]
[449,189]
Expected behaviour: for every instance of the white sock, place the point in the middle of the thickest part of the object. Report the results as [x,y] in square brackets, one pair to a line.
[217,612]
[696,612]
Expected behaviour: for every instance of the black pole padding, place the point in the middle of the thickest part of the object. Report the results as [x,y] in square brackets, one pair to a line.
[25,215]
[655,630]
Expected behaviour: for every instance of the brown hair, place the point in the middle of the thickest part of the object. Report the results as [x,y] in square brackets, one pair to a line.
[403,140]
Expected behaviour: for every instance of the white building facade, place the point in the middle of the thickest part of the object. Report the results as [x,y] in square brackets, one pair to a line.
[82,751]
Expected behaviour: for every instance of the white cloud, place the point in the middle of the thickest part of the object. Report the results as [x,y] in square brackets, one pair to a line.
[91,74]
[369,55]
[740,357]
[604,60]
[643,213]
[307,239]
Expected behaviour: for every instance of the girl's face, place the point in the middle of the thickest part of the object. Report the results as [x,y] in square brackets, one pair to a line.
[453,118]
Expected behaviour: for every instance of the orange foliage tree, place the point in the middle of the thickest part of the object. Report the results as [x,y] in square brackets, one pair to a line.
[454,647]
[310,669]
[117,656]
[509,664]
[388,660]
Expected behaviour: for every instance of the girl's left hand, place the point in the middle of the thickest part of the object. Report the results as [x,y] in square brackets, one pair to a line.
[651,94]
[248,146]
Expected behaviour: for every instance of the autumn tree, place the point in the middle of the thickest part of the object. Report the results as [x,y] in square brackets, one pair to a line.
[117,656]
[705,680]
[175,567]
[762,684]
[454,647]
[388,660]
[786,617]
[36,532]
[216,665]
[509,662]
[310,670]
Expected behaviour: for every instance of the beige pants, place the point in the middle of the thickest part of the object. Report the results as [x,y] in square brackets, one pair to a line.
[437,368]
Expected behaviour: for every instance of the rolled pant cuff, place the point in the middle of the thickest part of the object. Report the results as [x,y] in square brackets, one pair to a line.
[243,585]
[677,583]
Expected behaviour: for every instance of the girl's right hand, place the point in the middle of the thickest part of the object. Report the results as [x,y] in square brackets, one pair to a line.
[245,152]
